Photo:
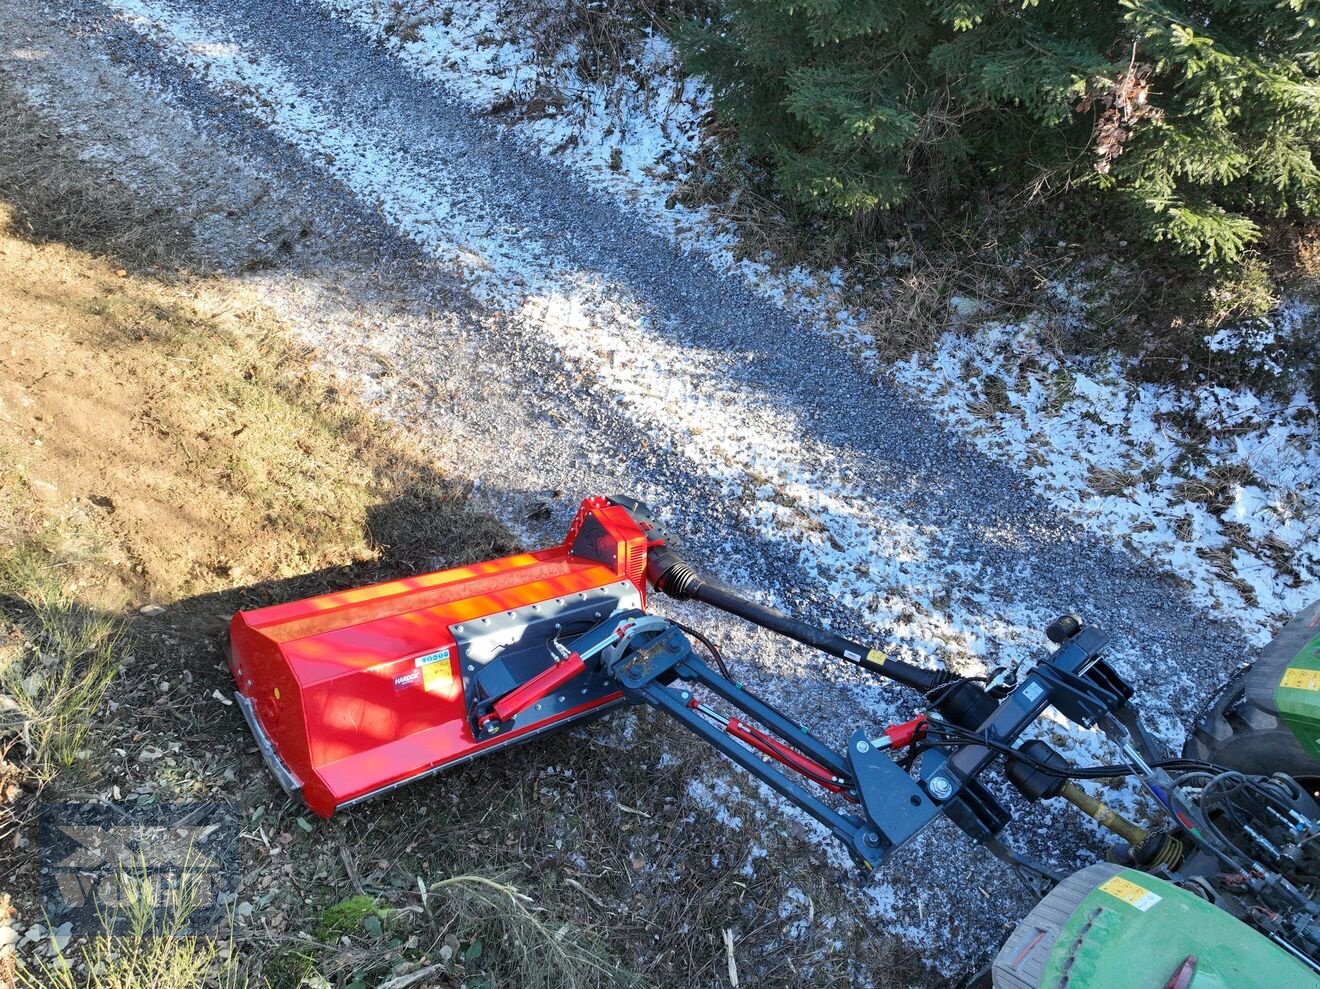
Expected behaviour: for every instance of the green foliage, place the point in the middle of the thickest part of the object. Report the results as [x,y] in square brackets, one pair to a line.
[350,916]
[1187,121]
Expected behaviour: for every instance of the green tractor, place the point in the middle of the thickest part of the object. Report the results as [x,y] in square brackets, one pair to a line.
[1210,917]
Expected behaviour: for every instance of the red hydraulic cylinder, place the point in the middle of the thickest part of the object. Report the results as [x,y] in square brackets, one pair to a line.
[782,753]
[545,682]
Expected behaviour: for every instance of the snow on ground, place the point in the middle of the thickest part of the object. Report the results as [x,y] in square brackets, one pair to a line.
[1220,487]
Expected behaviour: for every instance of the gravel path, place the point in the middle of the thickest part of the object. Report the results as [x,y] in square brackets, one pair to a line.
[552,347]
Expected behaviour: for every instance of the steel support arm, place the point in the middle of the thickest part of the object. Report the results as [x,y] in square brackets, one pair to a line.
[664,673]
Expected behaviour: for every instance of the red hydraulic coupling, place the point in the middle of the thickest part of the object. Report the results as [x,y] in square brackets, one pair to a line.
[901,736]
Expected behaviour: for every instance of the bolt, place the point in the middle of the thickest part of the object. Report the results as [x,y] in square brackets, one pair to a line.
[872,839]
[863,746]
[471,668]
[940,788]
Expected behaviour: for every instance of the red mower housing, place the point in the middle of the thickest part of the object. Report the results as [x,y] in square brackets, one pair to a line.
[356,692]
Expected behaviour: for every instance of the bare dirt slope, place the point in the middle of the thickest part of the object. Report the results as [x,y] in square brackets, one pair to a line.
[127,410]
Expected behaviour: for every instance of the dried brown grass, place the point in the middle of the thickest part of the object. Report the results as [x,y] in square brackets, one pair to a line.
[51,200]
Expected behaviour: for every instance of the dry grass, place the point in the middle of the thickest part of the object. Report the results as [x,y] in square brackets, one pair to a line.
[597,41]
[613,852]
[470,926]
[537,951]
[57,658]
[50,199]
[154,947]
[1111,480]
[1215,488]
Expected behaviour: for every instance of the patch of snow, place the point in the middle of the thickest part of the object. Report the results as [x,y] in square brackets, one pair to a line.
[1219,486]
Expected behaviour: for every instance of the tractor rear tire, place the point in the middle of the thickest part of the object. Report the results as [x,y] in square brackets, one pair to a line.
[1235,733]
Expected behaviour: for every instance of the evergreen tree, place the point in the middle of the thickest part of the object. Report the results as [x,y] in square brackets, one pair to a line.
[1201,118]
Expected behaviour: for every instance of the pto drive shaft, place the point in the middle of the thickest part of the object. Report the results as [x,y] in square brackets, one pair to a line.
[669,573]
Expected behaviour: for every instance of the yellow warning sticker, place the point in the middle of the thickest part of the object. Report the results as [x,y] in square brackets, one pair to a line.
[876,656]
[437,677]
[1301,679]
[1130,893]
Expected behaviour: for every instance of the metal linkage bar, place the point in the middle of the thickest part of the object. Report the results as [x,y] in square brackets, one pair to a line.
[669,656]
[795,734]
[775,749]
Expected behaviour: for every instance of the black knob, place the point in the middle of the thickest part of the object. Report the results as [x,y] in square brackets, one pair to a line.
[1063,628]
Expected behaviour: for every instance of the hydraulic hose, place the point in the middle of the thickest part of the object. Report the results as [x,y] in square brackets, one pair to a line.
[668,573]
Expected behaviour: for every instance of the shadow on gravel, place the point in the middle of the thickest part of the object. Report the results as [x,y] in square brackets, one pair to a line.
[78,176]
